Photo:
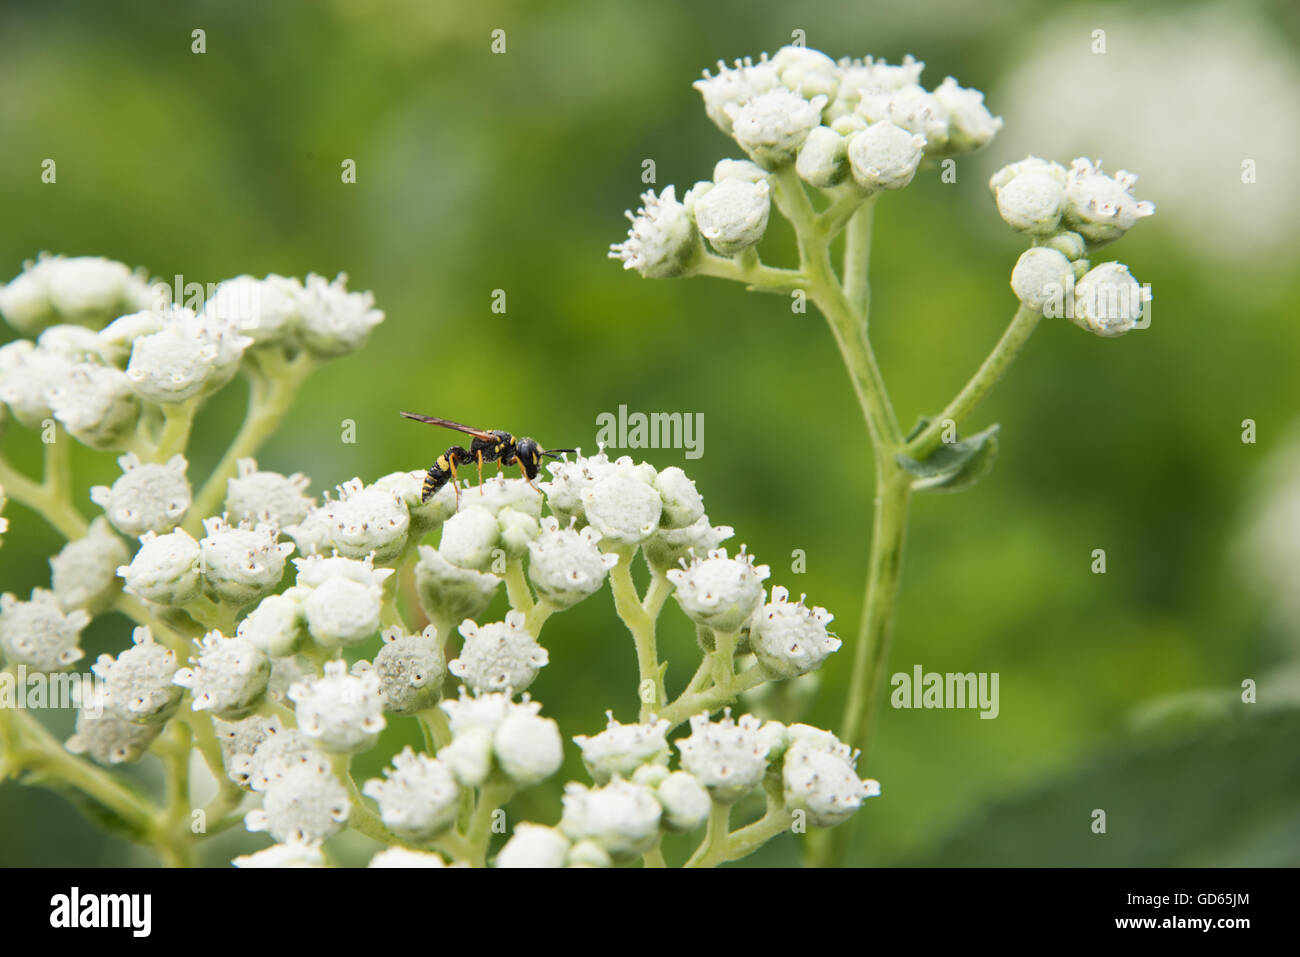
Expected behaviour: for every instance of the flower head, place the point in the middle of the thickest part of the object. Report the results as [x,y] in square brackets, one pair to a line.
[39,633]
[418,796]
[340,712]
[663,239]
[148,497]
[139,681]
[228,677]
[718,591]
[502,656]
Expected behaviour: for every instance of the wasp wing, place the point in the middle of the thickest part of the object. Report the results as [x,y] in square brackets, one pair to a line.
[448,424]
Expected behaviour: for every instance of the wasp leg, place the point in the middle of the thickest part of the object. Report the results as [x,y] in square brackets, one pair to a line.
[455,482]
[479,455]
[524,473]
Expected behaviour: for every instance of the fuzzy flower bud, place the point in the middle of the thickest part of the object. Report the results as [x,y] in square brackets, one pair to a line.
[498,657]
[409,488]
[404,858]
[241,564]
[334,321]
[668,547]
[187,357]
[663,240]
[449,593]
[718,591]
[727,757]
[1041,276]
[733,215]
[970,124]
[138,683]
[165,569]
[306,804]
[1032,202]
[228,678]
[366,520]
[623,507]
[341,712]
[84,573]
[469,538]
[789,639]
[27,374]
[276,625]
[685,801]
[1102,209]
[623,818]
[96,405]
[565,566]
[419,797]
[410,669]
[239,739]
[622,748]
[734,86]
[267,496]
[86,290]
[528,747]
[743,170]
[281,751]
[267,310]
[147,497]
[910,108]
[292,854]
[773,126]
[823,159]
[1108,300]
[106,736]
[885,156]
[532,845]
[342,612]
[39,633]
[806,72]
[819,778]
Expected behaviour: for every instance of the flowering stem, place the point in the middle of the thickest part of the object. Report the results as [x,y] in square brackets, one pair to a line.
[271,391]
[517,590]
[1022,326]
[436,728]
[744,842]
[857,259]
[712,698]
[754,274]
[628,605]
[491,796]
[49,498]
[713,849]
[177,422]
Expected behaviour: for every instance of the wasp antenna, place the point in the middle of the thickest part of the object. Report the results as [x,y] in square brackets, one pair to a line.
[555,453]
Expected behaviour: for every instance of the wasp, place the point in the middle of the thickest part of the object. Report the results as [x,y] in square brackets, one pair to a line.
[489,445]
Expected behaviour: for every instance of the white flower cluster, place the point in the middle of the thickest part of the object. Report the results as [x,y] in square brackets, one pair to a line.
[858,123]
[1068,214]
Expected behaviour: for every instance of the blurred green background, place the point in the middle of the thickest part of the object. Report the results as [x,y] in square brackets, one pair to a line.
[478,171]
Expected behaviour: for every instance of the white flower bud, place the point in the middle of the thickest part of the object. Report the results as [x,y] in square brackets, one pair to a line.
[806,72]
[570,479]
[823,159]
[772,126]
[366,519]
[342,612]
[1108,300]
[623,507]
[239,739]
[733,86]
[106,736]
[910,108]
[449,593]
[405,858]
[314,534]
[788,638]
[147,497]
[1032,203]
[682,503]
[528,747]
[241,564]
[165,570]
[27,376]
[288,855]
[518,531]
[685,801]
[623,818]
[819,778]
[871,75]
[588,853]
[743,170]
[96,405]
[341,712]
[1070,245]
[187,357]
[267,496]
[469,756]
[663,240]
[1102,209]
[500,494]
[425,516]
[970,124]
[418,797]
[277,625]
[718,591]
[39,633]
[73,342]
[84,573]
[884,156]
[86,290]
[727,757]
[228,678]
[115,340]
[138,683]
[469,538]
[733,215]
[502,656]
[565,566]
[281,751]
[306,804]
[315,570]
[267,310]
[334,321]
[410,668]
[668,547]
[622,748]
[532,845]
[1041,275]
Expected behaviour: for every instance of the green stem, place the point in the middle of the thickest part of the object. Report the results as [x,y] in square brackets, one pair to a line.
[755,275]
[436,729]
[49,500]
[491,796]
[1004,353]
[712,698]
[178,419]
[517,590]
[628,605]
[744,842]
[713,848]
[857,259]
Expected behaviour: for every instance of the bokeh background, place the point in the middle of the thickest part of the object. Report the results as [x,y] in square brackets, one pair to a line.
[477,172]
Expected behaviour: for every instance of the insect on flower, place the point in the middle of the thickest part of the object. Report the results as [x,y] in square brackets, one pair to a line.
[488,446]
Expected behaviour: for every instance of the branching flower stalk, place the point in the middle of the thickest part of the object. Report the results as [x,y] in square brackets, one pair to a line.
[825,139]
[273,638]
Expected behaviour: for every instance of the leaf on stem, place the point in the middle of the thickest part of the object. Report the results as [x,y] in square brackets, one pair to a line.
[952,466]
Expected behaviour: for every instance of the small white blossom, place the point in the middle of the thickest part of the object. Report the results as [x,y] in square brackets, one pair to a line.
[718,591]
[733,215]
[39,633]
[367,520]
[622,817]
[806,72]
[289,854]
[228,678]
[743,170]
[27,376]
[1108,300]
[341,712]
[1032,202]
[469,538]
[570,479]
[773,126]
[448,593]
[341,612]
[663,240]
[316,570]
[238,741]
[306,804]
[734,86]
[788,638]
[138,683]
[86,290]
[885,156]
[823,158]
[165,569]
[533,845]
[84,573]
[147,497]
[871,75]
[668,547]
[727,757]
[241,564]
[682,502]
[105,735]
[1102,208]
[970,124]
[1041,275]
[910,108]
[418,797]
[187,357]
[334,321]
[623,506]
[405,858]
[499,494]
[267,310]
[518,531]
[267,496]
[490,728]
[685,801]
[278,753]
[409,487]
[528,747]
[819,778]
[566,566]
[277,625]
[500,656]
[410,668]
[622,748]
[469,756]
[96,405]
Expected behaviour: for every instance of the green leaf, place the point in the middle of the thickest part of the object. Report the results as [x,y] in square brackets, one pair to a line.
[953,466]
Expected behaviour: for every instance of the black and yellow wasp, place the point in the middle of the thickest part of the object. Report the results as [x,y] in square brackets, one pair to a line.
[489,445]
